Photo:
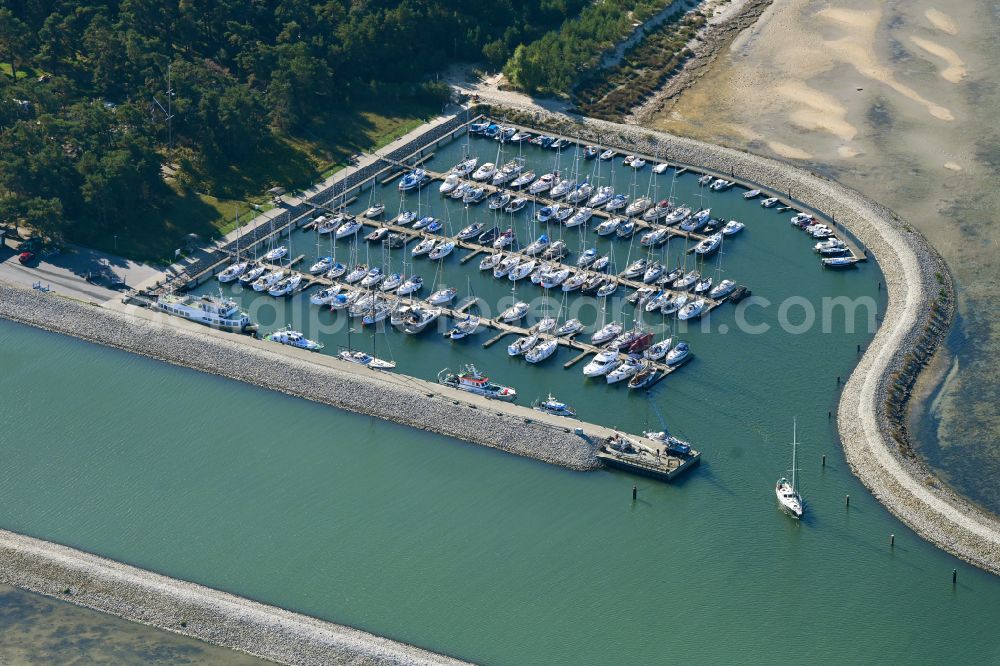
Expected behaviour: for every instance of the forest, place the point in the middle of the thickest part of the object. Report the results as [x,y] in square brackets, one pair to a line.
[84,136]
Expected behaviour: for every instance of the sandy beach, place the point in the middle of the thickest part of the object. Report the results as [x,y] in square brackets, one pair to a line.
[896,100]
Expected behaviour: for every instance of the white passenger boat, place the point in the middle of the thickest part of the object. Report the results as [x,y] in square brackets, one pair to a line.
[217,312]
[490,262]
[372,277]
[507,173]
[417,318]
[504,266]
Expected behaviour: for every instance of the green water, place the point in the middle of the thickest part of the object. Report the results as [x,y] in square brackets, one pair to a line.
[490,557]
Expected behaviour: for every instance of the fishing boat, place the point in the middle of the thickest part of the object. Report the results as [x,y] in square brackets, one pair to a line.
[661,168]
[680,353]
[769,202]
[785,490]
[276,254]
[442,296]
[473,229]
[617,202]
[522,344]
[544,183]
[465,167]
[552,406]
[474,195]
[570,327]
[628,367]
[601,197]
[473,381]
[375,210]
[348,228]
[603,363]
[514,313]
[286,336]
[515,205]
[541,351]
[732,227]
[450,182]
[410,285]
[485,172]
[466,327]
[523,180]
[752,194]
[692,310]
[233,272]
[413,180]
[644,377]
[441,250]
[361,358]
[606,332]
[840,262]
[722,289]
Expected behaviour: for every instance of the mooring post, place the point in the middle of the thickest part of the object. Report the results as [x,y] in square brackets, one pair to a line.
[838,380]
[848,501]
[635,492]
[892,541]
[954,576]
[824,460]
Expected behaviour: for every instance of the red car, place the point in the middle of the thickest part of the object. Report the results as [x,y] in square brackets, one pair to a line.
[26,257]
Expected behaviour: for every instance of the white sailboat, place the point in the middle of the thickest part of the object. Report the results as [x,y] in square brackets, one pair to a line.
[786,491]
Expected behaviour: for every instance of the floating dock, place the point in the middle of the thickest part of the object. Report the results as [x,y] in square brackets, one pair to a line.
[650,458]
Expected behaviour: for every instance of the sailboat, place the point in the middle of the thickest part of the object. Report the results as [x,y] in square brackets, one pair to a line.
[785,490]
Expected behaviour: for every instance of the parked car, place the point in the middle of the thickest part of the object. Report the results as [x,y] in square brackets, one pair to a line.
[26,257]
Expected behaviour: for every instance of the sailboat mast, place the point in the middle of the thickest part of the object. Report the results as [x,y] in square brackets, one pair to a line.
[794,445]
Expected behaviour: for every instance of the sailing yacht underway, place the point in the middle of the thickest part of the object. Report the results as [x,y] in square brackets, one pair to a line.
[785,490]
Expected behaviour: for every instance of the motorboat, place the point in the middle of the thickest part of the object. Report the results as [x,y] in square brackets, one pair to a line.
[541,351]
[603,363]
[505,266]
[830,246]
[520,136]
[677,216]
[569,327]
[581,216]
[233,272]
[732,228]
[606,333]
[405,217]
[522,344]
[709,245]
[840,262]
[286,336]
[465,167]
[552,406]
[522,270]
[361,358]
[706,179]
[661,168]
[474,195]
[252,273]
[601,197]
[322,265]
[473,381]
[543,184]
[537,246]
[522,180]
[325,295]
[348,228]
[752,194]
[680,353]
[637,163]
[658,350]
[720,184]
[801,219]
[722,289]
[413,180]
[372,277]
[485,171]
[628,160]
[515,205]
[466,327]
[375,210]
[514,313]
[617,202]
[442,296]
[542,140]
[276,254]
[635,269]
[608,154]
[410,285]
[441,250]
[692,310]
[769,202]
[449,183]
[505,134]
[638,206]
[488,236]
[644,377]
[468,232]
[423,247]
[629,367]
[559,144]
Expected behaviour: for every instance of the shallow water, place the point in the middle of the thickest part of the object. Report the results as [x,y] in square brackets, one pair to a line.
[490,557]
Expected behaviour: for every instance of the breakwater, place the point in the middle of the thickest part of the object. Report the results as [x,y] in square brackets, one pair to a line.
[874,402]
